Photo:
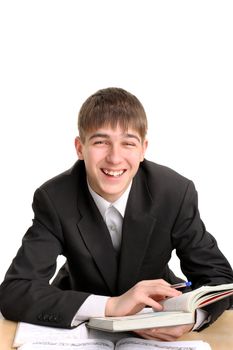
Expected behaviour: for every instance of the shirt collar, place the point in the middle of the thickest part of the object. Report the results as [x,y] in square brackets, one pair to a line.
[103,205]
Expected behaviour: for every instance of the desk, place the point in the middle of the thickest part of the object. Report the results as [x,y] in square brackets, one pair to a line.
[219,335]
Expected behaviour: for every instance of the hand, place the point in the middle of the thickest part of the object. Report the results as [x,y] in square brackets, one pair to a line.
[144,293]
[165,333]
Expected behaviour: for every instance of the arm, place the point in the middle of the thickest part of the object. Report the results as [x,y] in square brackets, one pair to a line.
[201,260]
[26,294]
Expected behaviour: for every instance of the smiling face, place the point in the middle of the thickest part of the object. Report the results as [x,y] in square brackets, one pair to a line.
[111,157]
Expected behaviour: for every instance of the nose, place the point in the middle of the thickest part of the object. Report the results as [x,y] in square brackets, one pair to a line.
[114,154]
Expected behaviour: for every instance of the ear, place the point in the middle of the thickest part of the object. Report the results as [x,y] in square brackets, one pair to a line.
[144,148]
[79,147]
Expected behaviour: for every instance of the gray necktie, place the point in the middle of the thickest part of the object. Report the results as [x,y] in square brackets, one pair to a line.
[114,224]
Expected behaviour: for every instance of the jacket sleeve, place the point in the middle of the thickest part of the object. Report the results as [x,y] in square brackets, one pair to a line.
[201,260]
[26,294]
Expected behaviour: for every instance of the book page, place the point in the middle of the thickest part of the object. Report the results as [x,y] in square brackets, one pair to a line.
[182,302]
[188,302]
[123,344]
[87,344]
[29,333]
[143,344]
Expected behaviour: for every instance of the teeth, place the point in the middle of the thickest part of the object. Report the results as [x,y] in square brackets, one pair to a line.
[113,173]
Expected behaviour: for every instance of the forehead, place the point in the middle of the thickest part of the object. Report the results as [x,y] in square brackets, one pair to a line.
[117,132]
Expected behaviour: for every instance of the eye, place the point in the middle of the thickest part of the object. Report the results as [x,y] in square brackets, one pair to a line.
[100,142]
[129,144]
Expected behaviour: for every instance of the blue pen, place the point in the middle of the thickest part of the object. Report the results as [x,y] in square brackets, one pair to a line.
[181,285]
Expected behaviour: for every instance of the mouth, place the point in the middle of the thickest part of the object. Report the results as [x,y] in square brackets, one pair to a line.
[113,173]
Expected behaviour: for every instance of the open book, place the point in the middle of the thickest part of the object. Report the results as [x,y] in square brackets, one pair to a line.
[32,337]
[123,344]
[176,311]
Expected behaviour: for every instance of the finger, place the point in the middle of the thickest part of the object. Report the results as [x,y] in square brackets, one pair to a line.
[174,331]
[157,291]
[149,334]
[145,335]
[153,303]
[155,335]
[155,282]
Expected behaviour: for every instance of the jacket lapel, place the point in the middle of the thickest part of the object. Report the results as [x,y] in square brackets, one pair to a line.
[139,222]
[95,234]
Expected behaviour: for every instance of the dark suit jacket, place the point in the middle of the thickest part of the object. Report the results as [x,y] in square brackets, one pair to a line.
[161,215]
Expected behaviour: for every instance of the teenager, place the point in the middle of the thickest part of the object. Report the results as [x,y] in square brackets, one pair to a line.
[116,217]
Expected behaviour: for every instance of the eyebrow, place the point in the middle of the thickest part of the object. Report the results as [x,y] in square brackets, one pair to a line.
[126,135]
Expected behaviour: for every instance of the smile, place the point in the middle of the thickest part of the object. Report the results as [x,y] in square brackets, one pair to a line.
[116,173]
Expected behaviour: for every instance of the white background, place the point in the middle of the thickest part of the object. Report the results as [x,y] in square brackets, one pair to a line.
[175,56]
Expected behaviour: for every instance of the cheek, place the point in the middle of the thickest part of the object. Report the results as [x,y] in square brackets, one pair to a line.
[93,160]
[135,159]
[97,154]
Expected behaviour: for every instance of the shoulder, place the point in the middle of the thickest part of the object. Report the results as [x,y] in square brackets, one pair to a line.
[158,172]
[65,177]
[162,179]
[65,185]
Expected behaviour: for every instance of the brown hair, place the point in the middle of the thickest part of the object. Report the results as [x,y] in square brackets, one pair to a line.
[112,107]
